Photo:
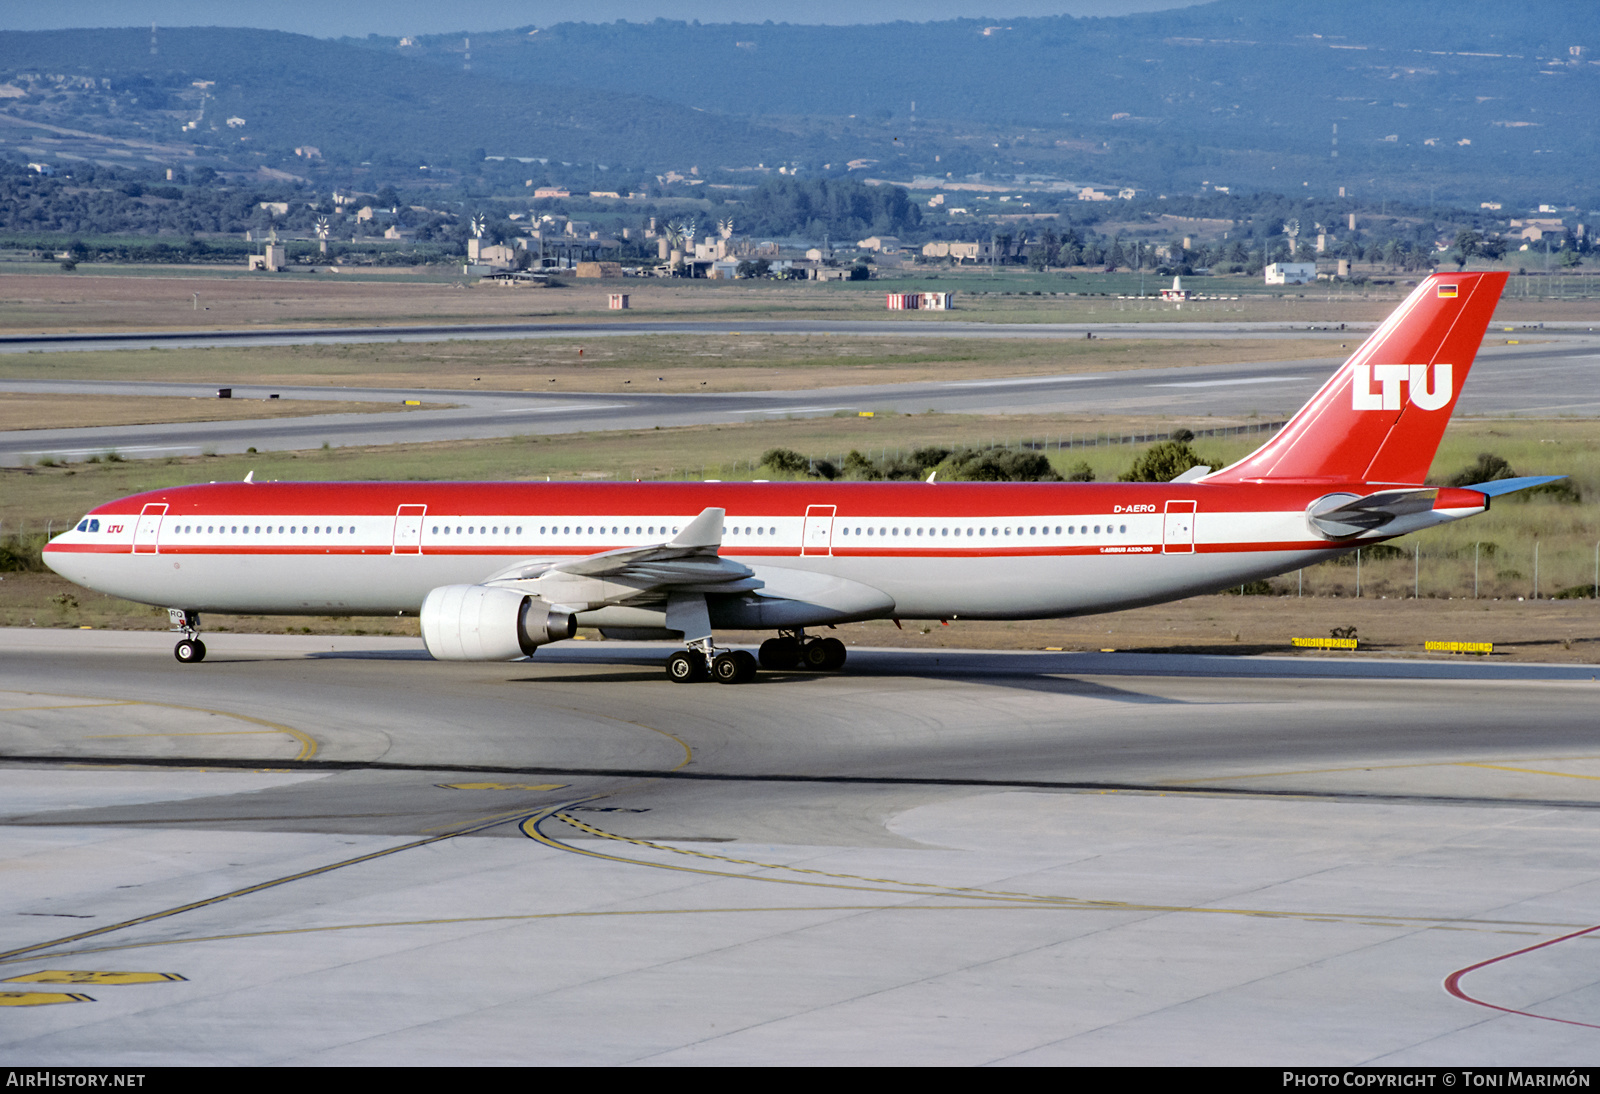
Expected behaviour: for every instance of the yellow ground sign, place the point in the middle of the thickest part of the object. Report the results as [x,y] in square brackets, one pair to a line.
[40,998]
[1459,647]
[77,976]
[1326,643]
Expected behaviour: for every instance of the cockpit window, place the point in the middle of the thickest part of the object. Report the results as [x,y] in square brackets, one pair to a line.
[94,526]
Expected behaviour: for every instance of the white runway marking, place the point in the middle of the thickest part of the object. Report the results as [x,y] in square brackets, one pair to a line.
[1026,380]
[1232,383]
[119,449]
[795,409]
[561,409]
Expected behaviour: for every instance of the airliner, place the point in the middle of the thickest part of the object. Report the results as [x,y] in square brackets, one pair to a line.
[496,570]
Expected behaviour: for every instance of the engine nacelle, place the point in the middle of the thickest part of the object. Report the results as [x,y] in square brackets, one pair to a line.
[489,623]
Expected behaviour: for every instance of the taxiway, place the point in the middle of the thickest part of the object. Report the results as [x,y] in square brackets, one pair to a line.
[345,853]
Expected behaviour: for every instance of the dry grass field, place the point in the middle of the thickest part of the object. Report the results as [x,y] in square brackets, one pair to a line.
[652,363]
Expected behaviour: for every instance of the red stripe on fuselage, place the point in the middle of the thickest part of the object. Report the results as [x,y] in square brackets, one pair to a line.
[889,501]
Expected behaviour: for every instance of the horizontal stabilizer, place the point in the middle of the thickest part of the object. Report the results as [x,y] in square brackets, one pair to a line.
[1511,486]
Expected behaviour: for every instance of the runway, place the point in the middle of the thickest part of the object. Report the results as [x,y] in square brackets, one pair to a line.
[345,853]
[1551,378]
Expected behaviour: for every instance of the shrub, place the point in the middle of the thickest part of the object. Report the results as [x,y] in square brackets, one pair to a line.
[1164,462]
[1001,465]
[785,461]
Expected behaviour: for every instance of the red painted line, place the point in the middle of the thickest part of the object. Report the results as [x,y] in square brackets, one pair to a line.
[1452,983]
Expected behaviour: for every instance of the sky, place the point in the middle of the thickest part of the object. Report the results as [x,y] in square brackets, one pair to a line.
[357,18]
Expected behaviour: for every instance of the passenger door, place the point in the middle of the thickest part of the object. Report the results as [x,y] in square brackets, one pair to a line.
[408,529]
[817,539]
[1177,536]
[147,533]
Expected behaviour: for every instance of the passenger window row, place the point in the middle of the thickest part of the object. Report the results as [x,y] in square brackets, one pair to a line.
[555,530]
[256,530]
[1031,530]
[476,530]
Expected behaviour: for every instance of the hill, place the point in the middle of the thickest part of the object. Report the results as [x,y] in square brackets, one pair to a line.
[1464,101]
[289,91]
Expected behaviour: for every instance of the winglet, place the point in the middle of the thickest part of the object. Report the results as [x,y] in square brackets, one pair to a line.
[250,477]
[703,531]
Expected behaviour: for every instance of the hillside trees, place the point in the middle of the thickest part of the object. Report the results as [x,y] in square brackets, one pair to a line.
[841,208]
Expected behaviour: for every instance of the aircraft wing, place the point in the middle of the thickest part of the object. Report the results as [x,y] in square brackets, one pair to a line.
[688,562]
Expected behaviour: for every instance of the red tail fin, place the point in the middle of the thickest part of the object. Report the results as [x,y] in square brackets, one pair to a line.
[1380,418]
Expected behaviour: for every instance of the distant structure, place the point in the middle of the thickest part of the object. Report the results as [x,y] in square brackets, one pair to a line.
[272,259]
[920,301]
[1291,273]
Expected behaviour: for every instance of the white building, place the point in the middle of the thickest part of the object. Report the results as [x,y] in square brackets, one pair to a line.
[1291,273]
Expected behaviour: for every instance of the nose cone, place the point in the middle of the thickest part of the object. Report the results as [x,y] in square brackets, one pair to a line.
[54,557]
[65,556]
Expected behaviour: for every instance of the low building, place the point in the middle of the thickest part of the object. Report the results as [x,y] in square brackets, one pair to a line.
[1536,228]
[887,245]
[507,278]
[480,253]
[273,260]
[1291,273]
[920,301]
[598,269]
[958,251]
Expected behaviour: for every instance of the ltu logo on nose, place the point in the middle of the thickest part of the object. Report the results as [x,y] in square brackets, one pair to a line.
[1390,377]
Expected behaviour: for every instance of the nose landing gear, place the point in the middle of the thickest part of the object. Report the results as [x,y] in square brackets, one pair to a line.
[189,650]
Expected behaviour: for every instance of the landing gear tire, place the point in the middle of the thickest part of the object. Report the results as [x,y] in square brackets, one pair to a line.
[733,667]
[190,651]
[833,654]
[686,667]
[812,656]
[780,654]
[823,655]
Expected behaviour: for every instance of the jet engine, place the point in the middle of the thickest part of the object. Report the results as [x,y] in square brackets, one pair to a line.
[489,623]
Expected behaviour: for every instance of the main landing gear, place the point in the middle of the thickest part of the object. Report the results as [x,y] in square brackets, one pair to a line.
[797,650]
[789,652]
[703,661]
[189,650]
